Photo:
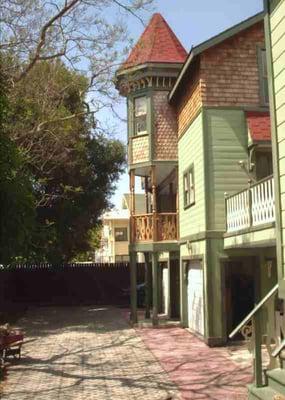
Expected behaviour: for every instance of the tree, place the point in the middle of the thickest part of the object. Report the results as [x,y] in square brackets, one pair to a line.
[17,211]
[89,36]
[73,167]
[57,55]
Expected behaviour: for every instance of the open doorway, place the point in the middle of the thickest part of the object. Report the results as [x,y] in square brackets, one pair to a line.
[240,291]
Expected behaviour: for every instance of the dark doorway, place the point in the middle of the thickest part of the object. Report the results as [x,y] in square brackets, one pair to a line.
[174,289]
[239,292]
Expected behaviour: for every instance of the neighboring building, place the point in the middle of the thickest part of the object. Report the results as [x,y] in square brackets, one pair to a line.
[114,245]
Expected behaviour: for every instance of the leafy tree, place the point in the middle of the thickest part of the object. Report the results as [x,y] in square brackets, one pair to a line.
[57,55]
[17,211]
[89,36]
[73,168]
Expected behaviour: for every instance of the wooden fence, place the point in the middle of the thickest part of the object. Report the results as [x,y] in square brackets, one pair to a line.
[69,284]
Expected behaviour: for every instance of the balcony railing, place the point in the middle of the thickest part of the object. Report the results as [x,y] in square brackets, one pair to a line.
[252,207]
[154,227]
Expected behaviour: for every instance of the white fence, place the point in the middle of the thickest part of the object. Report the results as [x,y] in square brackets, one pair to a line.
[252,207]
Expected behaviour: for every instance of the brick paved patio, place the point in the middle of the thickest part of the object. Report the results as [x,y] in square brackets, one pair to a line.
[199,371]
[83,353]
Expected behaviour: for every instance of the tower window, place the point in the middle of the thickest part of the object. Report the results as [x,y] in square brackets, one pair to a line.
[140,115]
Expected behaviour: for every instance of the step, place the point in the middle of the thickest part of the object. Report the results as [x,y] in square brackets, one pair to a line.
[276,380]
[263,393]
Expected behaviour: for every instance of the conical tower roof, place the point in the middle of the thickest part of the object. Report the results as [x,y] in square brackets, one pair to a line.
[157,44]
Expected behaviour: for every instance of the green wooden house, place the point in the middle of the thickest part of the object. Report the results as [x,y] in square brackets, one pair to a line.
[266,321]
[226,190]
[199,139]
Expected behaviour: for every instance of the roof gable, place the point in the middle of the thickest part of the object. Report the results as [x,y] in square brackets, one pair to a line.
[215,40]
[157,44]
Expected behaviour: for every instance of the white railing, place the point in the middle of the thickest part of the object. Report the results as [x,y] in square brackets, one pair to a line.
[251,207]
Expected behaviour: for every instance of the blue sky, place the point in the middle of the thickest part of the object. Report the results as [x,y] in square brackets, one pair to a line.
[192,22]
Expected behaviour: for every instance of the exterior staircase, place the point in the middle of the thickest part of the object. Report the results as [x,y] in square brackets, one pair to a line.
[275,389]
[269,374]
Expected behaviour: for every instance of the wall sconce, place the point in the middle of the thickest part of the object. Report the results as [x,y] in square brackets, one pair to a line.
[189,246]
[269,265]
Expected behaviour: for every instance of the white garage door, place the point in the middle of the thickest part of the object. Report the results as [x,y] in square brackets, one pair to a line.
[195,297]
[165,291]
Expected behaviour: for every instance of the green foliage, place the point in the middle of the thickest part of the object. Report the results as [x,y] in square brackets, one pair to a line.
[94,236]
[17,211]
[71,169]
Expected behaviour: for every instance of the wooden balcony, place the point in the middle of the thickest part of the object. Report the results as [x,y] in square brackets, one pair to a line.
[154,227]
[252,207]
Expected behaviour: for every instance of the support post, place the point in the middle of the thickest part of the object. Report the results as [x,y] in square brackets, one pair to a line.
[170,297]
[154,289]
[154,202]
[146,194]
[257,360]
[250,204]
[147,285]
[177,206]
[133,268]
[132,206]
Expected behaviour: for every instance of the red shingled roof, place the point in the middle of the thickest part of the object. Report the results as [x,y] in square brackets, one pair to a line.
[259,125]
[157,44]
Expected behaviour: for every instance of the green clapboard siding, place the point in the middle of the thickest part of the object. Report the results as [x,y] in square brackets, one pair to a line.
[279,65]
[277,14]
[277,31]
[279,80]
[226,138]
[190,151]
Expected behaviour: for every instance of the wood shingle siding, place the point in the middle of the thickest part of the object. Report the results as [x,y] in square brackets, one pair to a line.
[165,128]
[191,101]
[230,70]
[225,75]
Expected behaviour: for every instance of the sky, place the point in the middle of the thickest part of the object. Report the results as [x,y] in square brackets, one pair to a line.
[193,22]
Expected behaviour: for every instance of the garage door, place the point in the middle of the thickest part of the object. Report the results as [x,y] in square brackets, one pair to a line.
[165,290]
[195,297]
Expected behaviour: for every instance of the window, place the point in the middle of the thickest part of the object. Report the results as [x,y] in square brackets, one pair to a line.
[263,164]
[263,77]
[140,116]
[122,258]
[188,187]
[121,234]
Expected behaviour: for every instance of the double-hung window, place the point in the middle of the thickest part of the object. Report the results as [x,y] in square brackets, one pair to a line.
[189,187]
[140,112]
[121,234]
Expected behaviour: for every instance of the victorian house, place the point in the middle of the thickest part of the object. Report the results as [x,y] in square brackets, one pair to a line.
[199,137]
[146,79]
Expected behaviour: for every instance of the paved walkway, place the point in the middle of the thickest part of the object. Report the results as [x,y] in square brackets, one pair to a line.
[199,371]
[82,353]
